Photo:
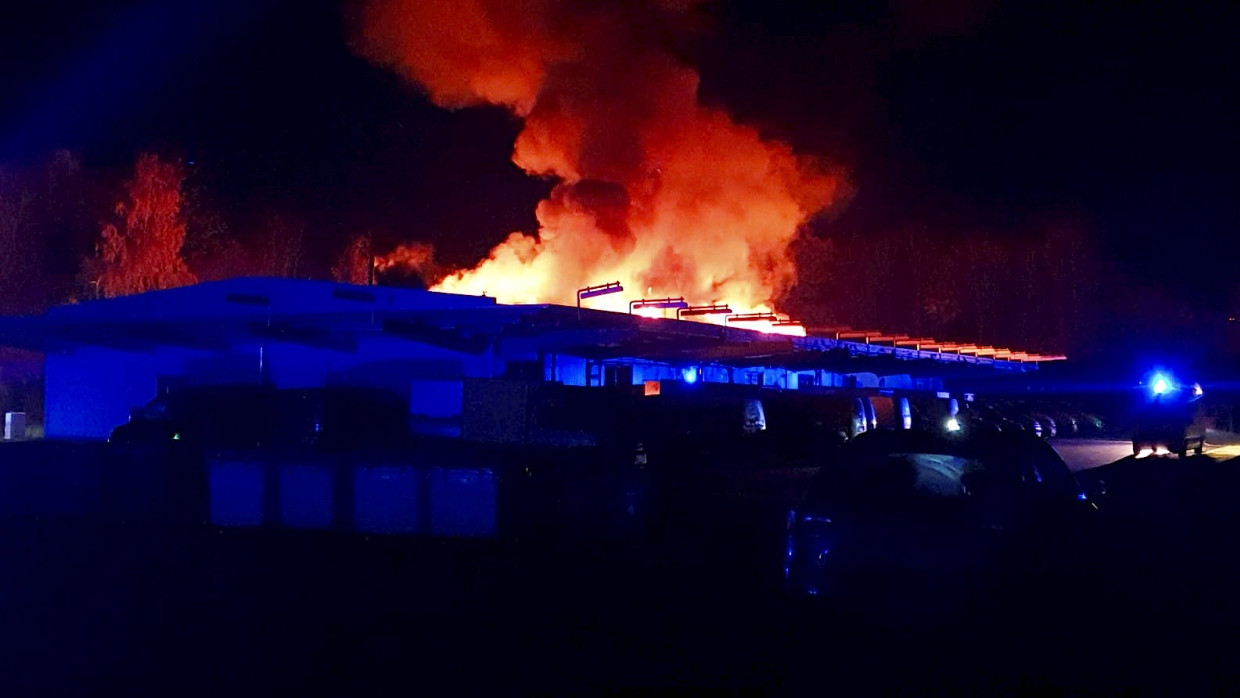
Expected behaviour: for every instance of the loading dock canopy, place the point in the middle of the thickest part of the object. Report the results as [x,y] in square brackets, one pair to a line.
[218,315]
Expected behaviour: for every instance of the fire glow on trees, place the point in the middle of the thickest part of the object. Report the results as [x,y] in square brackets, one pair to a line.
[666,195]
[141,250]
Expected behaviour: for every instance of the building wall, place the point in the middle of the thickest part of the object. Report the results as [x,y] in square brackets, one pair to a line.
[569,370]
[89,391]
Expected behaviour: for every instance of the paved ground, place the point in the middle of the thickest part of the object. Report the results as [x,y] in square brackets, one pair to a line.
[1084,454]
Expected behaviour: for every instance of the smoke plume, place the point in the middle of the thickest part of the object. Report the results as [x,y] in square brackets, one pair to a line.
[654,189]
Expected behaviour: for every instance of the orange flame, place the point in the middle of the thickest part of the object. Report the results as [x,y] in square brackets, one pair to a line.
[654,189]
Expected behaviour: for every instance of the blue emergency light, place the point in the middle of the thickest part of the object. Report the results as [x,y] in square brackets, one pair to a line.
[1161,385]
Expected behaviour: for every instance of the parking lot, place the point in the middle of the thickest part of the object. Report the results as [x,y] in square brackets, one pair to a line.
[1083,454]
[182,609]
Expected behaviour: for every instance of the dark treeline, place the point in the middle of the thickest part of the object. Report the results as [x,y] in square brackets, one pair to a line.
[1050,289]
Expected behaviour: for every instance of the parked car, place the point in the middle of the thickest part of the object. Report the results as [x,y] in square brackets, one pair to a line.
[1018,415]
[224,416]
[985,417]
[1050,429]
[254,416]
[921,523]
[1067,422]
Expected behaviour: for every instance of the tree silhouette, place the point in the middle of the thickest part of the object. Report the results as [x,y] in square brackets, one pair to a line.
[281,249]
[141,250]
[355,261]
[17,258]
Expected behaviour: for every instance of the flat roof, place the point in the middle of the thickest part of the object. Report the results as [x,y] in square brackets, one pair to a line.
[214,316]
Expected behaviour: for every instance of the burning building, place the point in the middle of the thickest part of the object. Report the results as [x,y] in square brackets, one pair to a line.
[104,357]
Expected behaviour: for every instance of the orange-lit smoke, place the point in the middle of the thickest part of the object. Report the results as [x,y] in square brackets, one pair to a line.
[417,257]
[655,190]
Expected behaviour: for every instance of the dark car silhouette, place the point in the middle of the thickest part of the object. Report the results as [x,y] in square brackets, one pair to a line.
[921,524]
[254,416]
[223,416]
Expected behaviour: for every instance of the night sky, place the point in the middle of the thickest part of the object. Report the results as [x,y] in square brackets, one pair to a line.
[1120,116]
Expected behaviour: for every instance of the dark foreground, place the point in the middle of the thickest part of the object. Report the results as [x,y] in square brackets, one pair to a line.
[105,607]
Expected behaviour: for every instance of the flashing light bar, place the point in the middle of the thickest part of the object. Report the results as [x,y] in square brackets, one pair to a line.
[787,323]
[752,317]
[599,290]
[858,334]
[678,302]
[695,310]
[915,342]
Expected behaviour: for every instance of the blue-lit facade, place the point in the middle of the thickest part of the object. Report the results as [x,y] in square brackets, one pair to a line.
[104,357]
